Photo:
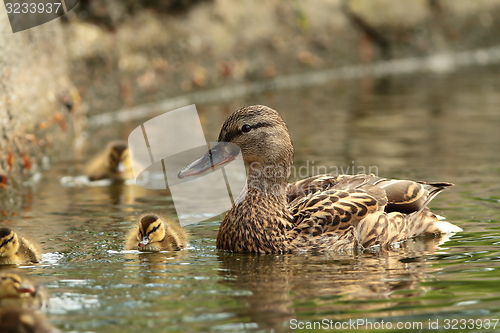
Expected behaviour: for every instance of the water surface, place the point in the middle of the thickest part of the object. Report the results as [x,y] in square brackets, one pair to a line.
[431,127]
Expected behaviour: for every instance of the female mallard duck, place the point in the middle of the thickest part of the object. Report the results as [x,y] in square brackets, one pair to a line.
[320,213]
[156,233]
[113,162]
[16,249]
[20,320]
[18,290]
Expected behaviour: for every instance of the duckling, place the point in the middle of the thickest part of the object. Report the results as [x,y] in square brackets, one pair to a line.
[19,320]
[323,213]
[18,290]
[156,233]
[16,249]
[113,162]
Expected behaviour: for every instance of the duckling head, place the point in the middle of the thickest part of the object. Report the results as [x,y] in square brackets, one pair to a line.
[151,230]
[259,132]
[9,242]
[118,157]
[13,285]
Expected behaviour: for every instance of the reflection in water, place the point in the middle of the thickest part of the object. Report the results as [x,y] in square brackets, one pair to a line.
[274,287]
[66,302]
[150,267]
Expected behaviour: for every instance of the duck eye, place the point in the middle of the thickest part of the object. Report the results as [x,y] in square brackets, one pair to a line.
[246,128]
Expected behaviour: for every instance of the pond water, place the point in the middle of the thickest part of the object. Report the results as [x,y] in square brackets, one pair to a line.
[430,127]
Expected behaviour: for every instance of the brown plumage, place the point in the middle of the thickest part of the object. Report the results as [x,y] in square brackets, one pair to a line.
[16,249]
[19,290]
[113,162]
[155,233]
[19,320]
[320,213]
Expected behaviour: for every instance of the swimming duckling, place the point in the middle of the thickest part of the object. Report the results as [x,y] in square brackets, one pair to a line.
[155,233]
[19,320]
[16,249]
[18,290]
[113,163]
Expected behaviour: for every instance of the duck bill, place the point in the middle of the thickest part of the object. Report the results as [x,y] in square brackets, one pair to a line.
[26,289]
[220,154]
[120,168]
[144,241]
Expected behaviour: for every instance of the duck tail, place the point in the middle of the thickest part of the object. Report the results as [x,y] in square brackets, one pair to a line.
[443,227]
[425,222]
[438,226]
[434,189]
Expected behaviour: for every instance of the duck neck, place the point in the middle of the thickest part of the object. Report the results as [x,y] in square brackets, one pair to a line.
[268,181]
[259,220]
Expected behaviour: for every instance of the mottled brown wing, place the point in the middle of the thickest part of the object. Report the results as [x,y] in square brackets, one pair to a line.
[306,186]
[330,211]
[403,196]
[407,196]
[303,188]
[309,185]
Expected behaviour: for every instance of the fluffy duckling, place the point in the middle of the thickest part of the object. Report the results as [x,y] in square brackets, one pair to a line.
[321,213]
[19,320]
[113,162]
[156,233]
[18,290]
[16,249]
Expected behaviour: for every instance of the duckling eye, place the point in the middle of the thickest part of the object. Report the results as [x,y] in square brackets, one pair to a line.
[5,242]
[154,229]
[246,128]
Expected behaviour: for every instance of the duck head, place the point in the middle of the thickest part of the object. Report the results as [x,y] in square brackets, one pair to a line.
[260,134]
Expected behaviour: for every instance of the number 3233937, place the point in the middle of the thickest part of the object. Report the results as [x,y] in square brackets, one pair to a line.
[32,8]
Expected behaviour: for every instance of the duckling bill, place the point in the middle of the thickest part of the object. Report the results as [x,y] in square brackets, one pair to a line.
[16,249]
[321,213]
[156,233]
